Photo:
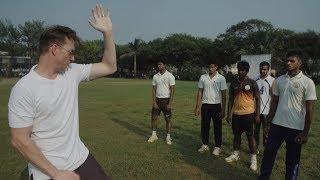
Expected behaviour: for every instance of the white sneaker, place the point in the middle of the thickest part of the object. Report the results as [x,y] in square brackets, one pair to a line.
[152,138]
[233,157]
[203,149]
[254,163]
[169,140]
[216,151]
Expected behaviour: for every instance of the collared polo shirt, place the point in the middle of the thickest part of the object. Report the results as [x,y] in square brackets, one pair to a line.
[212,88]
[293,92]
[163,83]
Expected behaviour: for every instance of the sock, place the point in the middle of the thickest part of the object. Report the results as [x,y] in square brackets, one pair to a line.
[236,152]
[168,135]
[154,133]
[254,156]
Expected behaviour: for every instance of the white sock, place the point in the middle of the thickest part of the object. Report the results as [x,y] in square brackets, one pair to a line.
[168,135]
[154,133]
[254,156]
[236,152]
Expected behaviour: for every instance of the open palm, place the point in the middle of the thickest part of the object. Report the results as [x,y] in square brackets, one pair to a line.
[100,20]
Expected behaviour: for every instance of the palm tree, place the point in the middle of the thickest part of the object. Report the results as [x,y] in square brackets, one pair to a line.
[135,49]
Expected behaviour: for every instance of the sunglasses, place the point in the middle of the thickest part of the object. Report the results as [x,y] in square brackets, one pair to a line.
[70,52]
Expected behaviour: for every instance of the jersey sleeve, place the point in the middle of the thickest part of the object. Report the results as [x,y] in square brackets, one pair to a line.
[275,88]
[21,109]
[223,84]
[81,71]
[172,80]
[201,83]
[310,93]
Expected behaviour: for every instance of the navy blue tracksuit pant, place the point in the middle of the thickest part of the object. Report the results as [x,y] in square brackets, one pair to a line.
[278,135]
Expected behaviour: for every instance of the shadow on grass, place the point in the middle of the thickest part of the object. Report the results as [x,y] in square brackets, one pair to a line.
[186,143]
[130,127]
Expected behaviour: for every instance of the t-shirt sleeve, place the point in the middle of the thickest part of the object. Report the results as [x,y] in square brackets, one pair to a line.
[172,80]
[21,109]
[223,83]
[82,71]
[310,93]
[154,83]
[275,88]
[201,83]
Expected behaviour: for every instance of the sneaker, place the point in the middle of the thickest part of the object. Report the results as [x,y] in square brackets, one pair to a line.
[216,151]
[233,157]
[152,138]
[204,148]
[169,140]
[253,165]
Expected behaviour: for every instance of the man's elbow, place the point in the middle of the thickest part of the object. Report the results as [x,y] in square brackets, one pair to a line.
[18,143]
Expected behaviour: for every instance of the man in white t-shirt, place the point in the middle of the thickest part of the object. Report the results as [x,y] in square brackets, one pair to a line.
[43,105]
[163,87]
[264,82]
[212,95]
[292,110]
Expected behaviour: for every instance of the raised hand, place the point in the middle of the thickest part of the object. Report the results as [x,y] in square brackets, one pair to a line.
[100,20]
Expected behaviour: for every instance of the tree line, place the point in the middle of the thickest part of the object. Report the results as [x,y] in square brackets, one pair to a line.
[183,52]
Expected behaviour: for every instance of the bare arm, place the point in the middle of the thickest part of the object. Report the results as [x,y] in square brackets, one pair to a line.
[172,91]
[20,140]
[230,104]
[273,108]
[303,137]
[108,65]
[257,103]
[223,103]
[198,102]
[154,103]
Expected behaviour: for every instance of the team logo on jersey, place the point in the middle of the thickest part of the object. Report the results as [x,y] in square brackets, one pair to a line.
[296,85]
[247,87]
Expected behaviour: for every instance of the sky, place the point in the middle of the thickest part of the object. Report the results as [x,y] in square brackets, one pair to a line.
[150,19]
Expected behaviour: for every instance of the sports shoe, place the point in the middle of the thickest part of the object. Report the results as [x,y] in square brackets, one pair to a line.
[233,157]
[216,151]
[253,165]
[203,149]
[152,138]
[169,140]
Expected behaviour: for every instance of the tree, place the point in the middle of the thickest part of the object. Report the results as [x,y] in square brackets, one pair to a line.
[135,50]
[30,34]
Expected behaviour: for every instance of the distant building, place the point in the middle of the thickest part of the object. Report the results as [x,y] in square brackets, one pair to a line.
[14,66]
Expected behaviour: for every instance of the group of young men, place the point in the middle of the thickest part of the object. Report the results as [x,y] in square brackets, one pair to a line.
[44,119]
[283,106]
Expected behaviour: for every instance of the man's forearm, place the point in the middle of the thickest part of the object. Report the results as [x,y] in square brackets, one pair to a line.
[223,99]
[32,153]
[198,100]
[309,116]
[109,54]
[171,95]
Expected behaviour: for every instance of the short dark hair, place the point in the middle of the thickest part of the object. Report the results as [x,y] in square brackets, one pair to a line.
[213,62]
[295,53]
[265,63]
[56,34]
[243,65]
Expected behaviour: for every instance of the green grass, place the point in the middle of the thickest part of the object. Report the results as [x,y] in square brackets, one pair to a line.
[115,125]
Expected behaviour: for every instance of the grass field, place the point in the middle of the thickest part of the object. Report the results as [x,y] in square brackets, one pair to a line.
[115,125]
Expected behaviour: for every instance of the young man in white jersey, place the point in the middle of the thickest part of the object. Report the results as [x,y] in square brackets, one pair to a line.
[43,106]
[264,82]
[163,87]
[292,110]
[212,95]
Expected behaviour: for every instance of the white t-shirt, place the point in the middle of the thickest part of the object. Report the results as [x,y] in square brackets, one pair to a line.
[264,86]
[212,88]
[51,107]
[163,83]
[293,93]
